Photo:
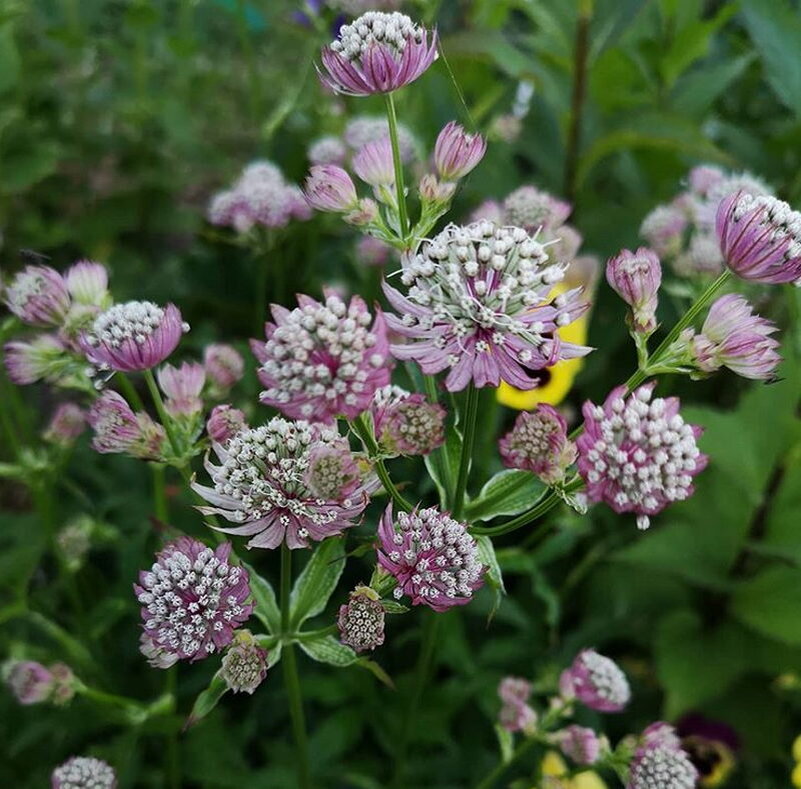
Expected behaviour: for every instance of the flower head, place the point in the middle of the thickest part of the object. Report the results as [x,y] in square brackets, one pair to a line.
[538,443]
[734,336]
[87,283]
[533,209]
[261,482]
[136,335]
[244,665]
[30,682]
[516,714]
[377,53]
[323,360]
[83,772]
[638,455]
[224,366]
[406,423]
[580,744]
[182,386]
[329,188]
[372,251]
[636,277]
[327,150]
[431,556]
[456,152]
[361,620]
[66,424]
[119,430]
[224,422]
[364,129]
[760,238]
[373,163]
[28,362]
[596,681]
[479,304]
[660,762]
[38,296]
[193,598]
[664,228]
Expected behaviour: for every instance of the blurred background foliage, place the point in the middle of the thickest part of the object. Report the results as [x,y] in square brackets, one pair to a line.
[120,118]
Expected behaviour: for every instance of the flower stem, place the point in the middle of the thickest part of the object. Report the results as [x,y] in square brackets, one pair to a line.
[129,392]
[160,506]
[172,756]
[291,680]
[362,429]
[164,417]
[490,779]
[400,188]
[468,439]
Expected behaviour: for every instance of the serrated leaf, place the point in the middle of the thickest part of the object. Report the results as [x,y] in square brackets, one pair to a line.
[509,492]
[266,607]
[315,585]
[327,649]
[207,700]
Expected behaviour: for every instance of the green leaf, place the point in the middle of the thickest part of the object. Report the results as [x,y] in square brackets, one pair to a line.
[696,92]
[315,585]
[782,534]
[770,603]
[486,553]
[393,607]
[273,645]
[505,743]
[509,492]
[207,700]
[327,649]
[266,609]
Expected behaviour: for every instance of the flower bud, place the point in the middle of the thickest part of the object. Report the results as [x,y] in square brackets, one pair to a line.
[373,163]
[364,213]
[29,682]
[223,422]
[636,277]
[580,744]
[224,367]
[597,682]
[38,296]
[456,152]
[66,424]
[329,188]
[182,386]
[434,191]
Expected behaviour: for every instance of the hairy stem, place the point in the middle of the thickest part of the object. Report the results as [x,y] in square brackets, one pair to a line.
[400,188]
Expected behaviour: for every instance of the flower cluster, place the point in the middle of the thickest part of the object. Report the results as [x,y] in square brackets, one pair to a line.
[32,683]
[596,681]
[683,231]
[637,454]
[84,772]
[260,197]
[270,477]
[515,713]
[431,556]
[323,360]
[478,304]
[224,367]
[359,132]
[406,423]
[660,762]
[361,620]
[193,599]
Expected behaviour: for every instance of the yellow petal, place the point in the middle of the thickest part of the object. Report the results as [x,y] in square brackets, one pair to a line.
[553,765]
[588,780]
[797,748]
[795,777]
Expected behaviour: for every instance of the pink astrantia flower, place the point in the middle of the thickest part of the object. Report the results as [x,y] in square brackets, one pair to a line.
[456,152]
[329,188]
[38,296]
[261,484]
[734,336]
[580,744]
[664,229]
[82,772]
[87,283]
[406,423]
[224,366]
[533,209]
[361,620]
[637,454]
[659,761]
[660,733]
[66,424]
[327,150]
[28,362]
[596,681]
[370,128]
[193,598]
[119,430]
[377,53]
[431,556]
[372,251]
[136,335]
[373,163]
[224,422]
[636,277]
[182,386]
[29,682]
[244,665]
[515,713]
[479,305]
[760,238]
[538,443]
[323,360]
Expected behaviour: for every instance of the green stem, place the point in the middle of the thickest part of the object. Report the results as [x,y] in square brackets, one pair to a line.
[468,439]
[164,417]
[392,119]
[160,505]
[424,663]
[362,429]
[491,778]
[173,757]
[291,680]
[129,392]
[249,55]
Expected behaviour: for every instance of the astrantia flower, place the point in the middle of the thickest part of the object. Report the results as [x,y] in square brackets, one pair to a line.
[182,386]
[516,714]
[224,367]
[361,620]
[456,152]
[38,296]
[83,772]
[538,443]
[636,277]
[479,305]
[28,362]
[373,163]
[760,238]
[638,455]
[377,53]
[66,424]
[87,283]
[321,361]
[431,556]
[734,336]
[244,665]
[327,150]
[364,129]
[261,483]
[330,188]
[663,229]
[406,423]
[661,767]
[580,744]
[596,681]
[29,682]
[533,209]
[136,335]
[193,598]
[224,422]
[119,430]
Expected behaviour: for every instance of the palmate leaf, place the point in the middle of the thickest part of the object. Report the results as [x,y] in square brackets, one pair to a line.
[315,585]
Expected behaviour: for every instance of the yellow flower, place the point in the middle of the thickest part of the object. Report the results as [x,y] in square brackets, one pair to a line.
[797,749]
[553,766]
[795,777]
